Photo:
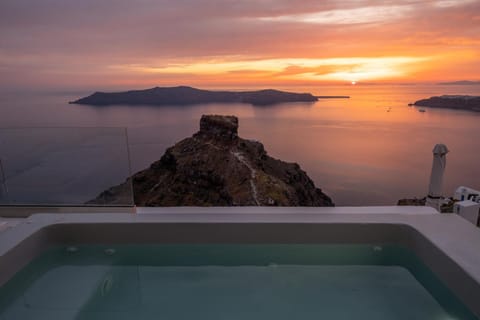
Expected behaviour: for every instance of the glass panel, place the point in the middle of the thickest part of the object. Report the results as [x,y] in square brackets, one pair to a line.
[63,166]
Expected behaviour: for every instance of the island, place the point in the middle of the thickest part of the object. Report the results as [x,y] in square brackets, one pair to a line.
[183,95]
[215,167]
[458,102]
[461,83]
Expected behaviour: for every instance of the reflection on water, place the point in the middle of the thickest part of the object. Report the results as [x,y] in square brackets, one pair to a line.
[369,149]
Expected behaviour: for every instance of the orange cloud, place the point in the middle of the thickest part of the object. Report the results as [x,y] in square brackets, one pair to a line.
[210,41]
[291,70]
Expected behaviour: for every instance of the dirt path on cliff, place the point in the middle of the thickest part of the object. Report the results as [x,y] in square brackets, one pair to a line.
[253,173]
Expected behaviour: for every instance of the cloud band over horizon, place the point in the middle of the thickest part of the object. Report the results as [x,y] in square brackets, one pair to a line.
[50,43]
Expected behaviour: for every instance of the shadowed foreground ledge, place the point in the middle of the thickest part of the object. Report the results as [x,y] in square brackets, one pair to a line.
[215,167]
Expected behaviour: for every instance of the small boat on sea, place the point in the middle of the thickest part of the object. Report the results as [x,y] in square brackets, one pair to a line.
[421,110]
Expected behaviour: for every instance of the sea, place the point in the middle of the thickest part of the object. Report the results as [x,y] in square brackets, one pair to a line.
[370,149]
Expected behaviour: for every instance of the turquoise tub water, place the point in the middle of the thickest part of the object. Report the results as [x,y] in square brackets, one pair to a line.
[212,281]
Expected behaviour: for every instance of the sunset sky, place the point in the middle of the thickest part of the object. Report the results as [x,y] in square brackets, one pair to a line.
[124,43]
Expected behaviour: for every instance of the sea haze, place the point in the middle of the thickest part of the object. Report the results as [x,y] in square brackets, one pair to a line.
[371,149]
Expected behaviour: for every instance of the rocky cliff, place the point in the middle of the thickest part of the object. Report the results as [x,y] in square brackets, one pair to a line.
[215,167]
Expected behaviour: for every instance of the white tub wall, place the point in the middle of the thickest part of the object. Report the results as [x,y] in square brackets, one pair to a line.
[446,243]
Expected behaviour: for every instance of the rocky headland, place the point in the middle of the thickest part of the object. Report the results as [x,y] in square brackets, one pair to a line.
[215,167]
[458,102]
[184,95]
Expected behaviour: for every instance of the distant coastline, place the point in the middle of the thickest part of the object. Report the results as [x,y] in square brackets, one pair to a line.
[333,97]
[184,95]
[460,83]
[457,102]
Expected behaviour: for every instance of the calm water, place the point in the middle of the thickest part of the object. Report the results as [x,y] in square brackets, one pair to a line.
[228,282]
[371,149]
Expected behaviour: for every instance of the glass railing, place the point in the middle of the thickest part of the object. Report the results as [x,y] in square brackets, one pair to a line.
[64,167]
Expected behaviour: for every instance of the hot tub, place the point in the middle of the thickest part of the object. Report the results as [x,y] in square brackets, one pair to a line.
[223,263]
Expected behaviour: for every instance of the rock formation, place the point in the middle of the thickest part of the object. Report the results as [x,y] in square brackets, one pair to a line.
[412,202]
[215,167]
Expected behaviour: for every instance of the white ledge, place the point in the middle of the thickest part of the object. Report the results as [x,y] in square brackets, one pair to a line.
[291,210]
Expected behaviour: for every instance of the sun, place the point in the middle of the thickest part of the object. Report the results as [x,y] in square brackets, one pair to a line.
[353,83]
